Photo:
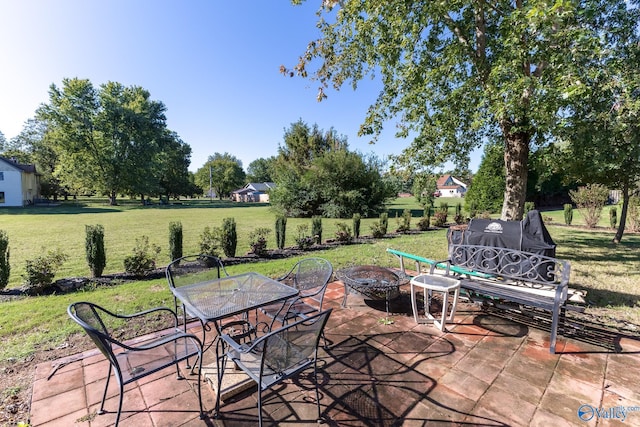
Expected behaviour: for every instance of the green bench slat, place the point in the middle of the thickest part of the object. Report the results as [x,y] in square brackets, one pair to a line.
[453,268]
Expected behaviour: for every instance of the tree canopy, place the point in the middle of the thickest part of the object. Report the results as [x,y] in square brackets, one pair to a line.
[111,140]
[316,174]
[458,74]
[261,170]
[223,172]
[600,142]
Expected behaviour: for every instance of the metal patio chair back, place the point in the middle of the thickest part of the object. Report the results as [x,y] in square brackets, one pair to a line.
[281,354]
[311,277]
[132,357]
[192,269]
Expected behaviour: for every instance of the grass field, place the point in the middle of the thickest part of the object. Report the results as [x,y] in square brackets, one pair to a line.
[609,273]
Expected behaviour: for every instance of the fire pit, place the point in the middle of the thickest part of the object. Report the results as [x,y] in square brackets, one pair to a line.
[371,282]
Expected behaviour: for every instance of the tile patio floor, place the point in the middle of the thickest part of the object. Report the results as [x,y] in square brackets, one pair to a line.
[486,370]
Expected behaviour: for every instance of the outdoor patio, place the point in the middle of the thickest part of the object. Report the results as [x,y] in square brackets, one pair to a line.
[486,370]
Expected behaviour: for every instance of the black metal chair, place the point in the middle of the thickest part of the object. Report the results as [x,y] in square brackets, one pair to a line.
[145,356]
[192,269]
[276,356]
[311,277]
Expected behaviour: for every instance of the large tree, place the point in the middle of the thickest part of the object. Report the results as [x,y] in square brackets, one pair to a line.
[458,73]
[223,172]
[175,179]
[316,174]
[106,140]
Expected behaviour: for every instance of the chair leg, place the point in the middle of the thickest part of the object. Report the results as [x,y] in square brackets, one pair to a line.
[104,395]
[259,406]
[200,386]
[119,405]
[315,377]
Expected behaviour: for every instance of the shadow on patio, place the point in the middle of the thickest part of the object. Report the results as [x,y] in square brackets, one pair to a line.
[486,370]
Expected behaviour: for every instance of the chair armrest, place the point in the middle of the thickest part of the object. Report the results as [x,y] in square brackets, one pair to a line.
[143,313]
[438,264]
[178,334]
[235,348]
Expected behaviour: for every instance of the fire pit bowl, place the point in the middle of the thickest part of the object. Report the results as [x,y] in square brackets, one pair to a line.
[369,281]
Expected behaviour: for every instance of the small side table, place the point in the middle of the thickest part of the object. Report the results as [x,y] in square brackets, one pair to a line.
[430,283]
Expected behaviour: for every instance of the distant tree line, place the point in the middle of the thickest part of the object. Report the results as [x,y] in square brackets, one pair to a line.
[112,140]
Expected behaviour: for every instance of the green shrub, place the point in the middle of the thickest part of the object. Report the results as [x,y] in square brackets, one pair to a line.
[356,225]
[613,217]
[440,218]
[258,241]
[384,222]
[94,248]
[40,271]
[143,259]
[473,208]
[229,237]
[591,200]
[303,240]
[5,266]
[423,223]
[281,231]
[459,218]
[210,241]
[404,224]
[568,213]
[316,229]
[175,240]
[379,228]
[343,234]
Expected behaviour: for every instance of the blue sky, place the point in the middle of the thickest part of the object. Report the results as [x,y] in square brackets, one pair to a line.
[214,64]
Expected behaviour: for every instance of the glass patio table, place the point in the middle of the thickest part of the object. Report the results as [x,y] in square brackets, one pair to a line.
[215,300]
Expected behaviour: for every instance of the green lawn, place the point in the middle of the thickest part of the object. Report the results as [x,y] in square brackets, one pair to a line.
[609,273]
[34,230]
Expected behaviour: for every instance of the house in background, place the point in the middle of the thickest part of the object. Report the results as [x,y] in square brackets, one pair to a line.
[19,184]
[253,192]
[449,186]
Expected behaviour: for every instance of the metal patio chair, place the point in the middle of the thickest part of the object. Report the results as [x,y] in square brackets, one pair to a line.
[137,358]
[281,354]
[311,277]
[191,269]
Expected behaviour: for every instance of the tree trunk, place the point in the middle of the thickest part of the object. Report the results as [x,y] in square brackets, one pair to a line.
[623,214]
[112,199]
[516,158]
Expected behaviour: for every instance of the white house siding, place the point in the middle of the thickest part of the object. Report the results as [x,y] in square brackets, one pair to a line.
[11,185]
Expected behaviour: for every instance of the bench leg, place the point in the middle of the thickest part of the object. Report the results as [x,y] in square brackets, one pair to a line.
[554,331]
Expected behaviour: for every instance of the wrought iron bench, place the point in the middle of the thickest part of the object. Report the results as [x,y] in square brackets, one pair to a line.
[523,278]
